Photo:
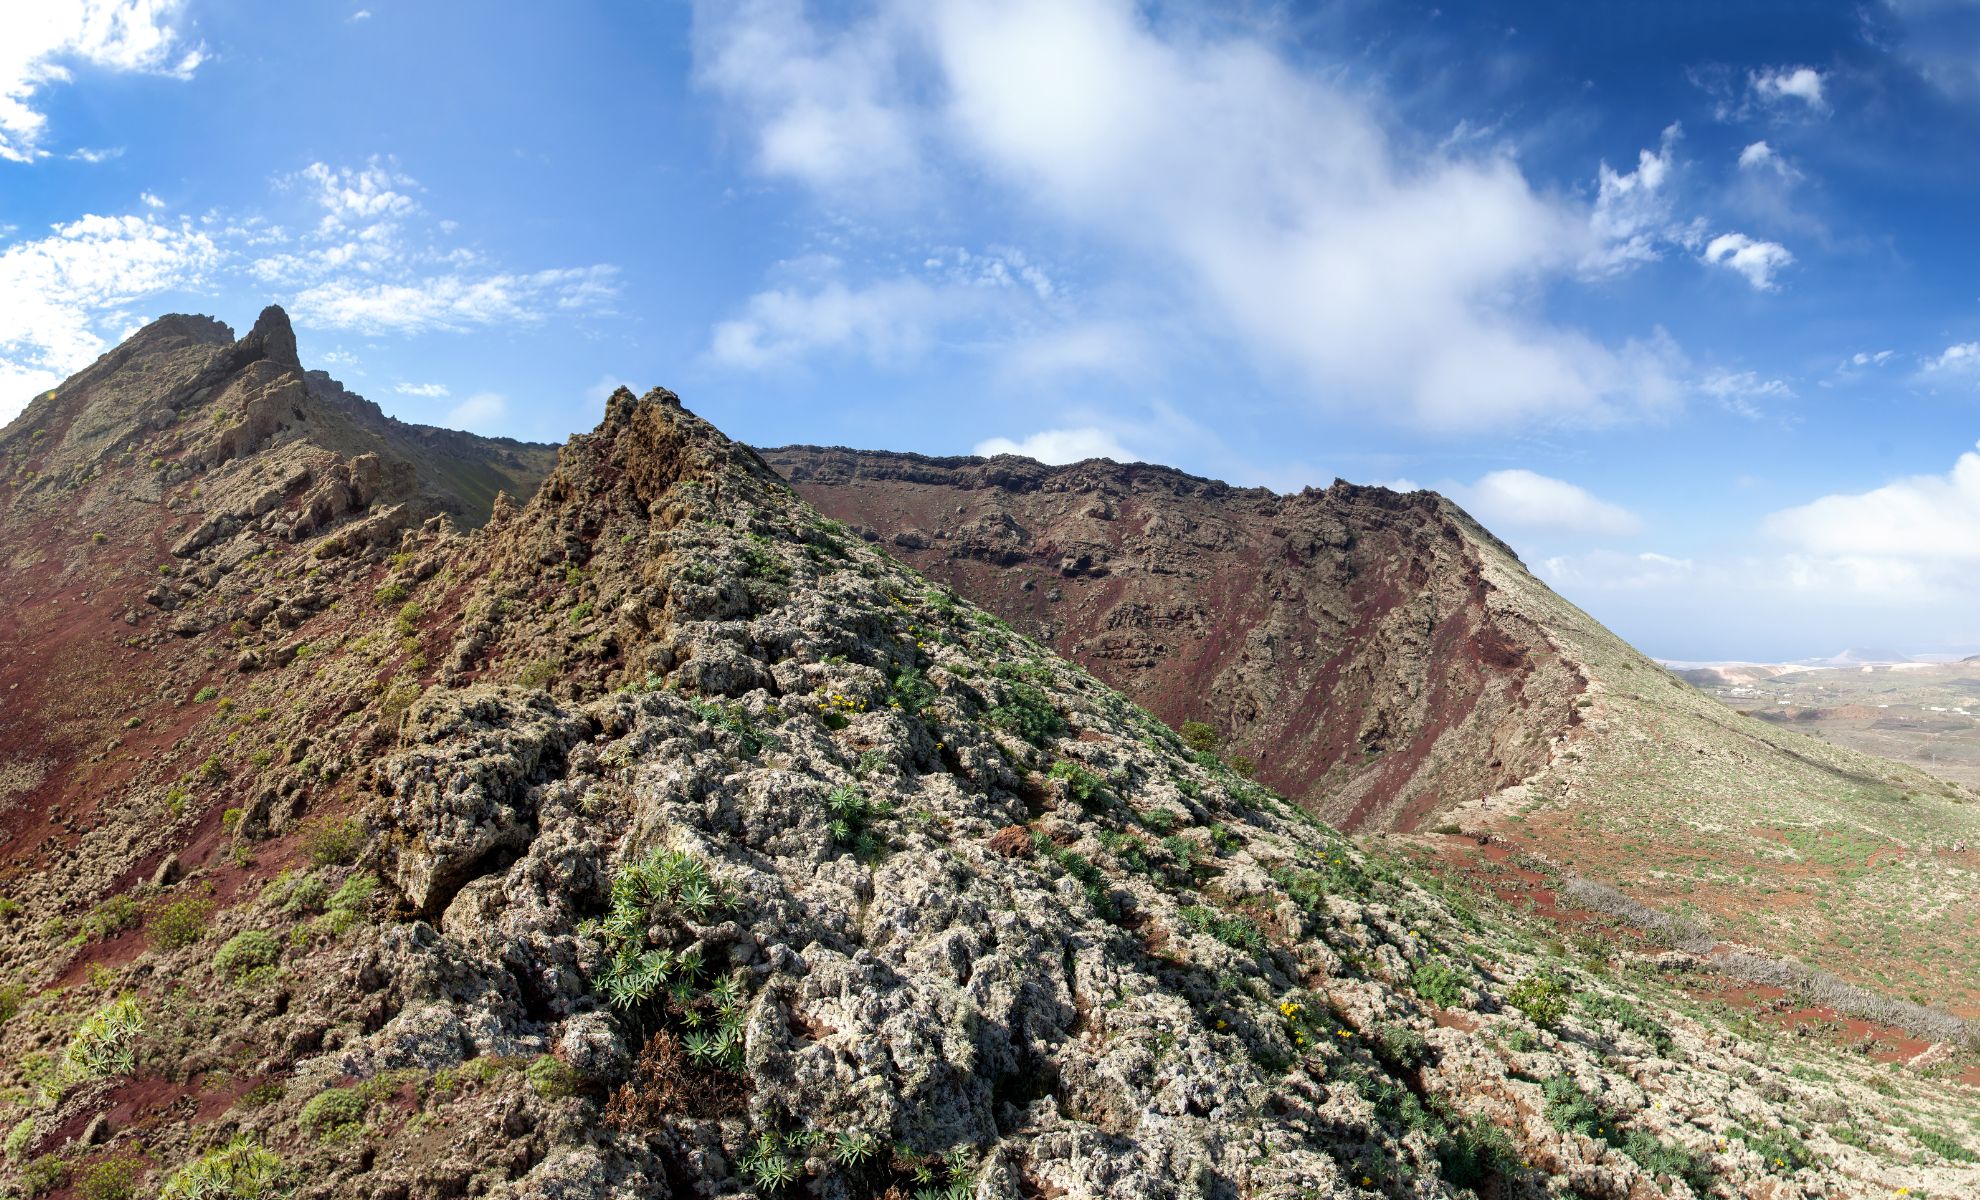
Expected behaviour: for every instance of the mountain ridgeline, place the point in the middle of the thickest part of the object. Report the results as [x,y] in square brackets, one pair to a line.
[367,833]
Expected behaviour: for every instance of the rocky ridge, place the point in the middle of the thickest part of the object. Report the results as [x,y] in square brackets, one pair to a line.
[663,837]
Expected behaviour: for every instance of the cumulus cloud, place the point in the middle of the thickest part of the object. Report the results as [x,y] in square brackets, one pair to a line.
[430,390]
[1057,446]
[1756,261]
[64,297]
[1962,358]
[1918,534]
[41,39]
[1527,500]
[1632,220]
[1802,84]
[1374,274]
[483,412]
[375,262]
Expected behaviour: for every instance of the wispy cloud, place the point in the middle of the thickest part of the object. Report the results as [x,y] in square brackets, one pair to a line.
[1389,278]
[65,296]
[1526,500]
[1057,446]
[429,390]
[39,39]
[1802,85]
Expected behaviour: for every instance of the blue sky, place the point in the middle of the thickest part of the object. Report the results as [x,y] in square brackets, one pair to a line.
[1682,300]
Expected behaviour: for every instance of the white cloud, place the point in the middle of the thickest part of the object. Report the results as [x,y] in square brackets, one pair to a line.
[826,107]
[1057,446]
[1791,83]
[483,412]
[62,297]
[1527,500]
[1761,159]
[1958,359]
[1918,535]
[1869,358]
[1755,260]
[1632,215]
[1743,391]
[372,263]
[1374,274]
[362,14]
[150,201]
[450,301]
[889,322]
[430,390]
[39,39]
[1613,570]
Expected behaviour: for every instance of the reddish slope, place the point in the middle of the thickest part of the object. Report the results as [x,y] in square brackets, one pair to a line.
[1344,639]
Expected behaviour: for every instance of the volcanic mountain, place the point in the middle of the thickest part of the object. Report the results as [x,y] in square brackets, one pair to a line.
[1387,662]
[660,836]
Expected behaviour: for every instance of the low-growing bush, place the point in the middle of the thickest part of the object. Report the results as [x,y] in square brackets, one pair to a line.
[1439,983]
[1543,996]
[111,1179]
[178,922]
[1236,931]
[239,1170]
[333,841]
[105,1044]
[245,953]
[333,1113]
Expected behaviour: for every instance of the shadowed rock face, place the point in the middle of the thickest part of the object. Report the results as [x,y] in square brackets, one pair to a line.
[1345,640]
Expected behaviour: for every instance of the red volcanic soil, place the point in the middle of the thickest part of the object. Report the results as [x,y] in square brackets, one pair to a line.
[1494,865]
[1345,640]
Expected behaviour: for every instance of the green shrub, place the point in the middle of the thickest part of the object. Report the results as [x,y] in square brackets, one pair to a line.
[1630,1017]
[105,1044]
[333,841]
[1941,1145]
[17,1139]
[179,923]
[111,1179]
[1237,932]
[851,816]
[396,591]
[112,917]
[1401,1048]
[44,1175]
[239,1170]
[666,883]
[1779,1149]
[205,694]
[245,953]
[1081,784]
[1543,996]
[1572,1110]
[1199,736]
[1439,983]
[1477,1151]
[333,1114]
[1028,713]
[536,674]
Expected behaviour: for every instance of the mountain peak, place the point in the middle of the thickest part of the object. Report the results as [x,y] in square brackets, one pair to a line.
[272,338]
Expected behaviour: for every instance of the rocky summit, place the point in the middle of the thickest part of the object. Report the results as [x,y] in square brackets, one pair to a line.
[662,836]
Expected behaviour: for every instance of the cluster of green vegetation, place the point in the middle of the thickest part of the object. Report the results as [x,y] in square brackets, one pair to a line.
[104,1045]
[247,956]
[1027,711]
[1572,1110]
[1439,983]
[240,1170]
[1234,930]
[178,923]
[1543,996]
[851,816]
[1082,785]
[732,718]
[333,841]
[666,884]
[1092,880]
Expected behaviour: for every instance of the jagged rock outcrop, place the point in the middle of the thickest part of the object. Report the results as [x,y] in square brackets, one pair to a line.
[661,837]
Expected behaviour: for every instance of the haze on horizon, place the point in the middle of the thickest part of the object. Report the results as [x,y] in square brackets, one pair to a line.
[1677,301]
